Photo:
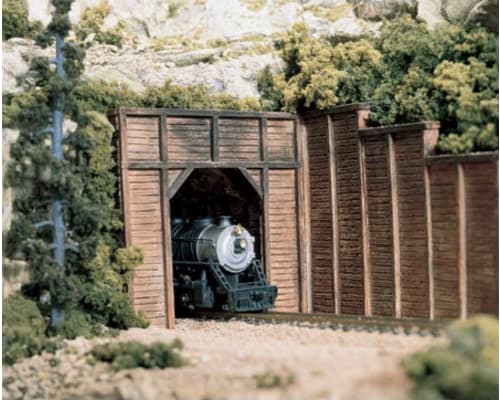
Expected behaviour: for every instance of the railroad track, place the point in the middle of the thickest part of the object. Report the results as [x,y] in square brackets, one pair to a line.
[408,326]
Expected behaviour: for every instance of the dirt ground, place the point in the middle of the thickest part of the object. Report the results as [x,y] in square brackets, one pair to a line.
[230,360]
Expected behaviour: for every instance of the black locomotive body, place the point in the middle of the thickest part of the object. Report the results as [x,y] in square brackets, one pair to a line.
[215,267]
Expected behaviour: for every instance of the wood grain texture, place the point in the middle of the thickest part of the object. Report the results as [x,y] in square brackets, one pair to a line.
[481,199]
[189,139]
[322,256]
[239,139]
[430,241]
[380,229]
[143,138]
[334,215]
[443,183]
[304,210]
[345,126]
[146,231]
[283,220]
[281,140]
[409,158]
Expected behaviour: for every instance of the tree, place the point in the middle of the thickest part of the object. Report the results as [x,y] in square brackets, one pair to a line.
[65,196]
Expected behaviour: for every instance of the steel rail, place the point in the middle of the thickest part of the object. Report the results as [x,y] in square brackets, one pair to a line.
[407,326]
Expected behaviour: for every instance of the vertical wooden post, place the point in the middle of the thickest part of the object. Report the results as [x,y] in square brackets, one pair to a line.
[265,188]
[430,250]
[304,226]
[334,215]
[462,256]
[168,272]
[215,138]
[365,240]
[395,227]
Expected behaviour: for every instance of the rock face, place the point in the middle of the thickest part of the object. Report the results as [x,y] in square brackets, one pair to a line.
[486,13]
[219,43]
[378,9]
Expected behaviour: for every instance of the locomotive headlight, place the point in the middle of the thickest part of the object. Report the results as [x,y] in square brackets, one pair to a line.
[240,245]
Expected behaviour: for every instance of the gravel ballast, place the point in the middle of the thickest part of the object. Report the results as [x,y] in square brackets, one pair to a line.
[229,360]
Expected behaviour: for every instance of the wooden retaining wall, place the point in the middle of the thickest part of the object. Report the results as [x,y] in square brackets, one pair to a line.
[463,205]
[353,220]
[158,151]
[397,231]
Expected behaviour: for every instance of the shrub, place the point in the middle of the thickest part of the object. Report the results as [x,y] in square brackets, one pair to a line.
[15,21]
[92,20]
[271,380]
[23,330]
[173,8]
[409,73]
[465,369]
[270,87]
[133,354]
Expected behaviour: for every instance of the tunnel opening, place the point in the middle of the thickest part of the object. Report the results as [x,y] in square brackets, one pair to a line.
[215,192]
[217,240]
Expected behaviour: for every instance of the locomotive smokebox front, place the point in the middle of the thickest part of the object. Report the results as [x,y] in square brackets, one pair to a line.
[215,266]
[231,245]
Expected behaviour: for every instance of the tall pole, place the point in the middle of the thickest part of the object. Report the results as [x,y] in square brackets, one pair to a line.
[57,312]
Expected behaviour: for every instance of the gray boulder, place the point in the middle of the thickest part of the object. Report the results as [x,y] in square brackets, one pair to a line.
[375,10]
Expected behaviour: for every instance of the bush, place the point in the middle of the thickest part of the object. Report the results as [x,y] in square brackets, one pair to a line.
[271,380]
[408,74]
[92,20]
[132,354]
[23,330]
[465,369]
[15,21]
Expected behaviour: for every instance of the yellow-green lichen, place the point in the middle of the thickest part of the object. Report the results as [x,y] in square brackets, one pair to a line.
[254,5]
[330,14]
[174,7]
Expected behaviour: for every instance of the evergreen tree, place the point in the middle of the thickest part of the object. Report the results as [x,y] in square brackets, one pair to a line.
[88,285]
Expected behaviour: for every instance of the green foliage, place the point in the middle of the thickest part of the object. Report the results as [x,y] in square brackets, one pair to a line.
[272,380]
[409,73]
[91,22]
[270,87]
[15,21]
[465,369]
[173,8]
[133,354]
[91,286]
[23,330]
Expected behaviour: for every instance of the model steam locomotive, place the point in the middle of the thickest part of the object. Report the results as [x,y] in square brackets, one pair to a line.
[215,267]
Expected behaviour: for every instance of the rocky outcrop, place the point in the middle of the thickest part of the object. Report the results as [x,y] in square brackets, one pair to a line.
[219,43]
[379,9]
[485,13]
[210,42]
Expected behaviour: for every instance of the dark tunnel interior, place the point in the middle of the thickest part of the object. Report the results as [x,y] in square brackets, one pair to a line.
[212,192]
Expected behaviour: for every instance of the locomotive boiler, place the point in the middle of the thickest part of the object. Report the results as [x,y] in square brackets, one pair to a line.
[215,267]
